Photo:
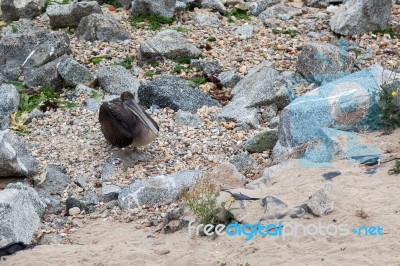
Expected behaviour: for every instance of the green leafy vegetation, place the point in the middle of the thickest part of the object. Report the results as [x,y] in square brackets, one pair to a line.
[95,94]
[35,98]
[390,105]
[114,3]
[197,80]
[126,63]
[97,59]
[388,31]
[153,22]
[183,30]
[396,169]
[182,60]
[238,13]
[149,74]
[211,39]
[291,33]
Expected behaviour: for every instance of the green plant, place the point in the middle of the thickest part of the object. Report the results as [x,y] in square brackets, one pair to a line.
[211,39]
[197,80]
[291,33]
[97,59]
[182,60]
[396,169]
[153,22]
[114,3]
[238,13]
[390,105]
[201,201]
[149,74]
[183,30]
[126,63]
[181,68]
[388,31]
[95,94]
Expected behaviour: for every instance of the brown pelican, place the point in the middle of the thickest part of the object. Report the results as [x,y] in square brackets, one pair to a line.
[124,123]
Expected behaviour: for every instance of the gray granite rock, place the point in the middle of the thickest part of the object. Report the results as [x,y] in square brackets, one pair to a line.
[116,79]
[71,14]
[51,239]
[20,212]
[203,18]
[356,17]
[14,156]
[321,202]
[324,62]
[243,163]
[158,190]
[277,10]
[14,10]
[169,44]
[258,6]
[45,75]
[213,4]
[245,31]
[245,117]
[164,8]
[263,85]
[209,67]
[110,192]
[229,78]
[74,73]
[101,27]
[175,93]
[51,189]
[93,105]
[187,119]
[9,101]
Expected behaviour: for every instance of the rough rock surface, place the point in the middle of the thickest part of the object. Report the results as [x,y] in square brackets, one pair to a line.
[157,190]
[262,141]
[71,14]
[356,17]
[74,73]
[321,202]
[9,101]
[167,43]
[101,27]
[324,62]
[14,156]
[13,10]
[173,92]
[165,8]
[116,80]
[20,213]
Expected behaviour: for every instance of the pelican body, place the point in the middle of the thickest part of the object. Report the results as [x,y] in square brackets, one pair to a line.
[124,123]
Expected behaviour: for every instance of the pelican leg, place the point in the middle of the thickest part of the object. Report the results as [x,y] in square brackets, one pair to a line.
[130,157]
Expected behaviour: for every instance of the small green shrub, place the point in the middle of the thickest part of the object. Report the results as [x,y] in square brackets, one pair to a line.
[211,39]
[238,13]
[396,169]
[388,31]
[126,63]
[197,80]
[97,59]
[390,105]
[291,33]
[153,22]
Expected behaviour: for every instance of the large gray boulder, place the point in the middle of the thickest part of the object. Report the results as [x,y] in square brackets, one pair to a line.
[323,62]
[20,212]
[263,85]
[258,6]
[71,14]
[45,75]
[52,187]
[245,117]
[26,47]
[169,44]
[158,190]
[14,156]
[9,101]
[116,79]
[278,10]
[213,4]
[74,73]
[165,8]
[175,93]
[15,9]
[356,17]
[313,124]
[101,27]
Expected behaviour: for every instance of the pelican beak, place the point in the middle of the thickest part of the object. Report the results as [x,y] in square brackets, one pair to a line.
[137,110]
